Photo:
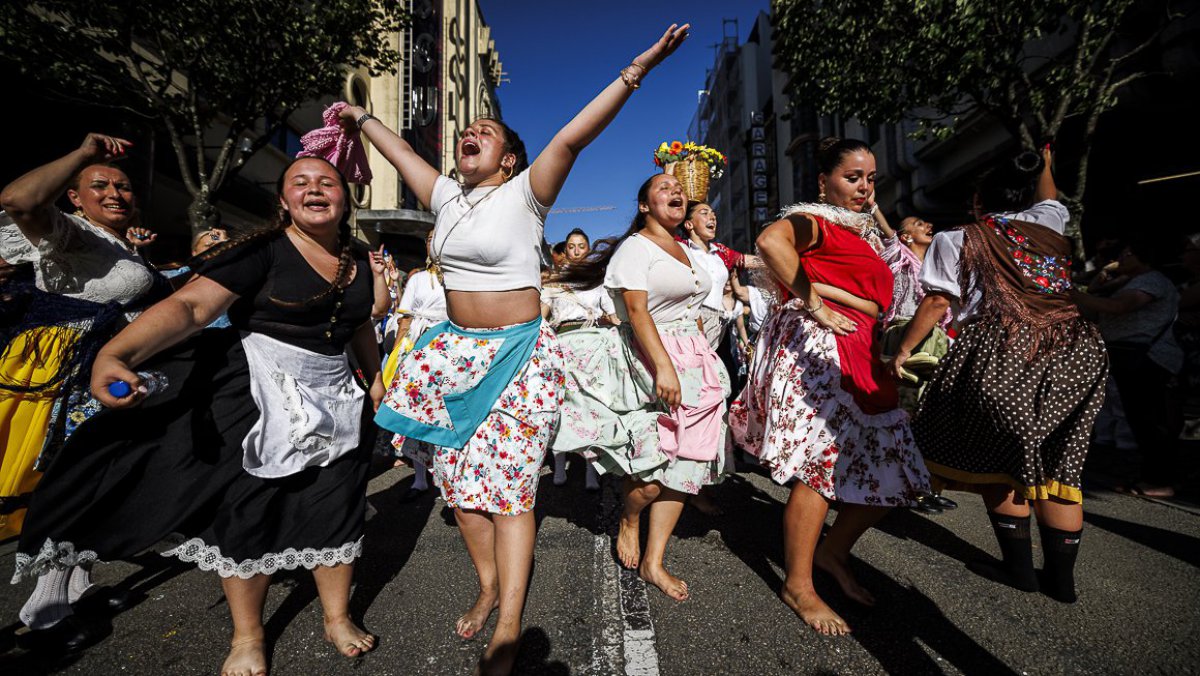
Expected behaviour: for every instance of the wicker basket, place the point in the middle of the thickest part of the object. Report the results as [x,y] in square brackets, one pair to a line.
[693,173]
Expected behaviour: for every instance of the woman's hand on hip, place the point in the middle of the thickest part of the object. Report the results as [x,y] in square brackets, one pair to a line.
[840,324]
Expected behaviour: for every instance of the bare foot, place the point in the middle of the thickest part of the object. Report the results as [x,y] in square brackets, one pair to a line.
[247,657]
[629,549]
[473,620]
[705,505]
[501,653]
[814,612]
[349,639]
[668,583]
[840,570]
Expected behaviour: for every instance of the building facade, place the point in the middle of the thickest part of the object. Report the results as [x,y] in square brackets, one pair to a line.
[739,115]
[447,78]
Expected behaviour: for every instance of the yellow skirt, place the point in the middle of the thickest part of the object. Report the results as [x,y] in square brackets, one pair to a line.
[32,358]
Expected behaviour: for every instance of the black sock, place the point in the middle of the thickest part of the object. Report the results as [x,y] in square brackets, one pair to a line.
[1059,549]
[1016,547]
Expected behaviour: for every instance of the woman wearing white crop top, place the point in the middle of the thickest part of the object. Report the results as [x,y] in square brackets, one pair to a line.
[660,404]
[485,387]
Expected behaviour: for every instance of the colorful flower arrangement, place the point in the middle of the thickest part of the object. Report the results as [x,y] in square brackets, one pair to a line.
[678,152]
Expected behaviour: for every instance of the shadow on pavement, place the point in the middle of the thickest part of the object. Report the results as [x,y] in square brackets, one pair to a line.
[905,620]
[389,540]
[571,501]
[535,648]
[1186,548]
[41,654]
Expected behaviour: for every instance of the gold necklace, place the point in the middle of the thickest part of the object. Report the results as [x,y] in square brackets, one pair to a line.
[435,257]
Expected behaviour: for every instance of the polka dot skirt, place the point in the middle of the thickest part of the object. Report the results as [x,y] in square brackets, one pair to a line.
[989,416]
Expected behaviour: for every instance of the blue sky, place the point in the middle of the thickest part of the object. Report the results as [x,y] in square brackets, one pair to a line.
[559,54]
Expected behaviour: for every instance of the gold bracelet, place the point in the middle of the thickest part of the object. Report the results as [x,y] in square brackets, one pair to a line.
[631,81]
[820,304]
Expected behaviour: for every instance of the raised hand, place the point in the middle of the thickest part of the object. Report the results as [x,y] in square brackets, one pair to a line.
[666,46]
[378,264]
[348,118]
[101,148]
[140,237]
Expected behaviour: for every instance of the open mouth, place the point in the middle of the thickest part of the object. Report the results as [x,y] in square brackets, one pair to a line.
[316,205]
[470,147]
[115,208]
[675,202]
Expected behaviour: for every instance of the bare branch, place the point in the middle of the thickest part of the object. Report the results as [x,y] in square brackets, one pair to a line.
[164,112]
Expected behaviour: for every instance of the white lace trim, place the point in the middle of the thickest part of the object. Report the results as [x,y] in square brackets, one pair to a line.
[861,224]
[52,555]
[208,557]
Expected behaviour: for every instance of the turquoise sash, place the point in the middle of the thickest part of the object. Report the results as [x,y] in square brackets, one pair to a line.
[469,408]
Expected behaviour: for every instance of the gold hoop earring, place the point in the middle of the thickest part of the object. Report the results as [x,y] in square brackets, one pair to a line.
[511,170]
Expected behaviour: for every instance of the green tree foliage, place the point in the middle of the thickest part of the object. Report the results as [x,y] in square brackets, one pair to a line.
[1039,68]
[202,67]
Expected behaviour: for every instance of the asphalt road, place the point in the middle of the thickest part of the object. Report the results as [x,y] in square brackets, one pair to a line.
[1137,580]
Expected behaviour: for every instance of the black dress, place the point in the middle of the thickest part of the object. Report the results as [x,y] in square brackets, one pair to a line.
[170,470]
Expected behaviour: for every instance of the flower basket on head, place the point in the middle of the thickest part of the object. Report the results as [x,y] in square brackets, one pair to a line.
[693,174]
[694,165]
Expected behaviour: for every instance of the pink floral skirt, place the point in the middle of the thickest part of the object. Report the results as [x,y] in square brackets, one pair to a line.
[796,416]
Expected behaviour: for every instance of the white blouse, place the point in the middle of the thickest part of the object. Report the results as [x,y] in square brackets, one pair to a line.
[573,305]
[674,291]
[940,270]
[489,239]
[79,260]
[716,270]
[425,300]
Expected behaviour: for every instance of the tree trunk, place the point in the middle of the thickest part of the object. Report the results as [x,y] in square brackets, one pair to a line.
[201,213]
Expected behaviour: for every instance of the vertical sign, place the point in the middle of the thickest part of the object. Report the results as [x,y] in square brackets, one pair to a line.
[758,170]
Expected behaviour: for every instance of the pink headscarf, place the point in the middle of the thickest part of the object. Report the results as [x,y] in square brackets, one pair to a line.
[342,150]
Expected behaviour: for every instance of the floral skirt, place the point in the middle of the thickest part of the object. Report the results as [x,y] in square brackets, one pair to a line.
[610,410]
[797,415]
[497,470]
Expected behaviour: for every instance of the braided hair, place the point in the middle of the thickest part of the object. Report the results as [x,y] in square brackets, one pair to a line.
[277,227]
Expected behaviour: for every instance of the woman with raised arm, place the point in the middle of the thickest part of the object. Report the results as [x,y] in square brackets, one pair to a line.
[246,451]
[485,387]
[89,279]
[1009,411]
[818,405]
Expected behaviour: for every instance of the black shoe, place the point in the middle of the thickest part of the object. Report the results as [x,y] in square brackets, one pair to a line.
[944,502]
[411,494]
[926,506]
[70,635]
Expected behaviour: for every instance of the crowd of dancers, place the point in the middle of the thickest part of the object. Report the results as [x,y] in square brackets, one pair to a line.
[242,449]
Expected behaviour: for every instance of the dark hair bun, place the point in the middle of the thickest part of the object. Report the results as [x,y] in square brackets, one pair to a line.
[826,144]
[832,150]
